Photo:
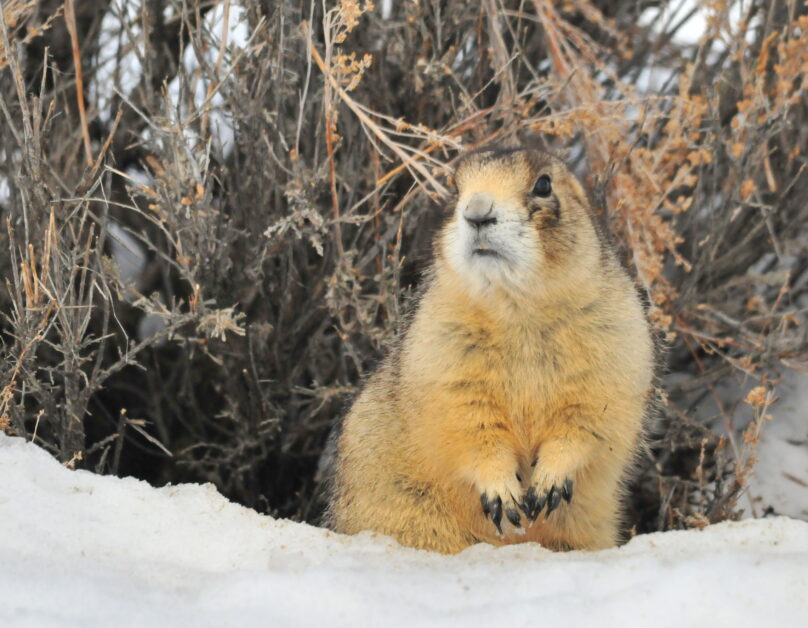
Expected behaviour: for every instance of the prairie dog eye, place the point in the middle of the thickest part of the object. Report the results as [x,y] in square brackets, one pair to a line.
[543,186]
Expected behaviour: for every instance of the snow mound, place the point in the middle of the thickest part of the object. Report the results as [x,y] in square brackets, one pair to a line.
[78,549]
[780,480]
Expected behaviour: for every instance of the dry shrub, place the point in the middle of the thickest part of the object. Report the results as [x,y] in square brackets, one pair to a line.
[201,301]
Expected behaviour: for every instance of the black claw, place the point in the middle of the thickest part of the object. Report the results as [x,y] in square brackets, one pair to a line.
[533,464]
[518,478]
[496,512]
[529,503]
[540,504]
[486,506]
[553,500]
[513,517]
[566,490]
[532,504]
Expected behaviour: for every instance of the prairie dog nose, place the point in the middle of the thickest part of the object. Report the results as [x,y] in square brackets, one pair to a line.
[479,211]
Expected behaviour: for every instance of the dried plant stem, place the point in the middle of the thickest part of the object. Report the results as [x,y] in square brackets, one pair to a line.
[329,115]
[212,85]
[369,124]
[70,22]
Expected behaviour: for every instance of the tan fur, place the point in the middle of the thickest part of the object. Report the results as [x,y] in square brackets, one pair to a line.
[551,362]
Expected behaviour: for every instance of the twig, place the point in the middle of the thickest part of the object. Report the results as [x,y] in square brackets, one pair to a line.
[374,128]
[70,22]
[212,85]
[330,123]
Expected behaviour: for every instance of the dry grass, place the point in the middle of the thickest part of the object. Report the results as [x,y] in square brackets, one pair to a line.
[277,263]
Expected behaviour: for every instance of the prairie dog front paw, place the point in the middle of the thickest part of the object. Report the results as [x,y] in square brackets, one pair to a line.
[500,493]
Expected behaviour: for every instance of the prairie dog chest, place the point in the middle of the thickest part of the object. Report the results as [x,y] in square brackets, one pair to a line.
[525,361]
[521,371]
[524,367]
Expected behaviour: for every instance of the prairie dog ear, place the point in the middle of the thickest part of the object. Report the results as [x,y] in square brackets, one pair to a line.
[540,142]
[564,154]
[532,140]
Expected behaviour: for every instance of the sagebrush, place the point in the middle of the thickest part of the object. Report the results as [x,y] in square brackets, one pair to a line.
[216,214]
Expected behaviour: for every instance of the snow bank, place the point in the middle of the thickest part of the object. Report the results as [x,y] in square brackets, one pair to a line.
[78,549]
[780,479]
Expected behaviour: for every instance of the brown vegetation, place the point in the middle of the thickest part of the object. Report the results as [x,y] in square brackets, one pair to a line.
[267,271]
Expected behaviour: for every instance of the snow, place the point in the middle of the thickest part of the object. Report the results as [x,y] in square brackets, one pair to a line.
[128,253]
[79,549]
[695,26]
[780,478]
[221,122]
[118,65]
[653,77]
[5,191]
[779,481]
[130,256]
[8,158]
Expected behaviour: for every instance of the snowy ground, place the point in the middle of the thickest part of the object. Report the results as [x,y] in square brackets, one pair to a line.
[78,549]
[779,483]
[781,473]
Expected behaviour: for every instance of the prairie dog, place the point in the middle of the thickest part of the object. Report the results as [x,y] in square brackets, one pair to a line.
[512,407]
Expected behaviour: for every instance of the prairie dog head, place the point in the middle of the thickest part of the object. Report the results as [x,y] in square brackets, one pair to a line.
[521,223]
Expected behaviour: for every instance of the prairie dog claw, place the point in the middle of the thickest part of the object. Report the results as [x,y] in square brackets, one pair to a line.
[536,499]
